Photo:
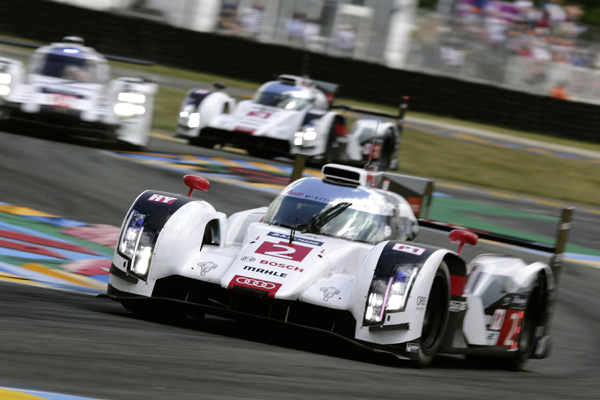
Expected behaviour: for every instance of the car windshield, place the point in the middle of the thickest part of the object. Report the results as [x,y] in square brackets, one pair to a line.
[338,220]
[68,66]
[284,96]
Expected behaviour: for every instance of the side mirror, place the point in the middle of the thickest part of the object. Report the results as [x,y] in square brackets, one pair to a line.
[196,182]
[463,237]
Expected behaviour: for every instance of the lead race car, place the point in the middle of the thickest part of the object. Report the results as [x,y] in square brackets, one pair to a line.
[339,254]
[67,85]
[292,115]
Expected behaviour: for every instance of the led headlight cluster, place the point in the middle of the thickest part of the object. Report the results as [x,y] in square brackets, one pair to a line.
[308,134]
[192,119]
[130,104]
[137,243]
[389,293]
[5,80]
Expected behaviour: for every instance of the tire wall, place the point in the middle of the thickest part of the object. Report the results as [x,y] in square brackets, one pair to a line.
[111,33]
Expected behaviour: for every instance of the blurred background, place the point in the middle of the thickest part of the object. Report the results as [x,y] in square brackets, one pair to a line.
[522,64]
[541,46]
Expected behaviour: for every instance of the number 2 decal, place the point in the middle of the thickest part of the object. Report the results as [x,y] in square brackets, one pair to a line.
[514,331]
[294,252]
[282,253]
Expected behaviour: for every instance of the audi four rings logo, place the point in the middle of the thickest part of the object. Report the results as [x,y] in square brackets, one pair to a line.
[256,283]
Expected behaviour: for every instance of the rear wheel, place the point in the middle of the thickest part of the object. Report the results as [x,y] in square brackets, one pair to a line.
[436,317]
[385,159]
[534,313]
[533,317]
[331,147]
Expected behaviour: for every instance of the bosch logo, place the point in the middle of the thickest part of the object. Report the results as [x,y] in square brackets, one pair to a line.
[255,283]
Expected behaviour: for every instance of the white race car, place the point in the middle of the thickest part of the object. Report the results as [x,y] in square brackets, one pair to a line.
[292,115]
[339,255]
[67,85]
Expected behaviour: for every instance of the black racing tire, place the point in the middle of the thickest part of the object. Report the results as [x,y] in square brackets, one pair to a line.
[436,317]
[534,313]
[330,151]
[385,161]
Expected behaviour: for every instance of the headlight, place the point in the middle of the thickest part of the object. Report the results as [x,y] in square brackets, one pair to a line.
[194,120]
[308,134]
[5,79]
[129,110]
[131,97]
[130,104]
[389,293]
[137,243]
[4,90]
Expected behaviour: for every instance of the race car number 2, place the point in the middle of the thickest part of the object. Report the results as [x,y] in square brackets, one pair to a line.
[294,252]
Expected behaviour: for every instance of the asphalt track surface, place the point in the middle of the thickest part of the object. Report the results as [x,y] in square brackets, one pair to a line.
[59,341]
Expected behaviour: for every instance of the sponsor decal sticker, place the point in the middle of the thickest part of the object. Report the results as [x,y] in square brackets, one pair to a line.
[254,283]
[292,252]
[309,196]
[329,292]
[492,338]
[248,259]
[296,239]
[408,249]
[265,271]
[281,265]
[457,306]
[159,198]
[497,319]
[259,114]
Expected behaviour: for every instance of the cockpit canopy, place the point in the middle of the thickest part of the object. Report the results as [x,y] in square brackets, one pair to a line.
[312,205]
[73,63]
[289,97]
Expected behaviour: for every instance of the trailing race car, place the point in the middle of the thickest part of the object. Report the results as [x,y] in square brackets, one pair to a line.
[67,85]
[339,255]
[292,115]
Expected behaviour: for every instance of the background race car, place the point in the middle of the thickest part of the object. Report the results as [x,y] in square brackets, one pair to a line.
[292,115]
[67,85]
[338,254]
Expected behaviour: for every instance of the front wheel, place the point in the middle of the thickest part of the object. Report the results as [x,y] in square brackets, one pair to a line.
[436,317]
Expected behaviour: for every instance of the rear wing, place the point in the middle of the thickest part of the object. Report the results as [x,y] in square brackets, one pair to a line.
[419,194]
[399,117]
[416,190]
[556,249]
[107,56]
[328,88]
